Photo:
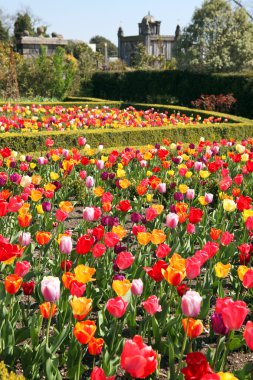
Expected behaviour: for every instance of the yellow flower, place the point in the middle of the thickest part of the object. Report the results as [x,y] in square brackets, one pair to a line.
[204,174]
[39,209]
[229,205]
[240,148]
[121,287]
[54,176]
[188,175]
[50,187]
[182,166]
[246,214]
[24,209]
[120,231]
[124,183]
[185,157]
[36,195]
[171,172]
[244,157]
[222,270]
[242,269]
[120,166]
[81,306]
[202,200]
[121,173]
[183,188]
[227,376]
[147,156]
[33,165]
[55,157]
[149,197]
[84,273]
[149,173]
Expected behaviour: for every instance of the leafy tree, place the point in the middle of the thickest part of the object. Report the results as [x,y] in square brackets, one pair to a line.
[219,39]
[23,22]
[100,46]
[4,34]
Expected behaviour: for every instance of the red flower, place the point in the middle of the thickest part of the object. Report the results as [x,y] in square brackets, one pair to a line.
[182,289]
[225,183]
[234,314]
[155,272]
[111,239]
[197,366]
[195,215]
[5,152]
[28,287]
[248,334]
[124,260]
[227,238]
[162,251]
[211,248]
[243,203]
[84,244]
[98,232]
[3,208]
[99,374]
[98,250]
[124,206]
[138,359]
[249,166]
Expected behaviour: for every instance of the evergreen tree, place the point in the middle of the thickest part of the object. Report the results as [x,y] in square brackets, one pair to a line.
[100,46]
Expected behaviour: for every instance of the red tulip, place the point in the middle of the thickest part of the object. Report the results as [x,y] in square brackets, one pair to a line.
[226,238]
[234,314]
[155,271]
[248,334]
[195,215]
[98,250]
[124,206]
[193,265]
[138,359]
[99,374]
[197,367]
[248,279]
[84,244]
[111,239]
[124,260]
[162,251]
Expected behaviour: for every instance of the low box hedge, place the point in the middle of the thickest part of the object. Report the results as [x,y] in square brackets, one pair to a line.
[237,128]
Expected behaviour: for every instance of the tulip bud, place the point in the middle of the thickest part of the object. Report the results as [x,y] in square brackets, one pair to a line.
[137,287]
[24,238]
[50,288]
[191,303]
[65,245]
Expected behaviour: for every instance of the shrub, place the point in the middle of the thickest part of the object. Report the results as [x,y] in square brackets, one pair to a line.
[219,103]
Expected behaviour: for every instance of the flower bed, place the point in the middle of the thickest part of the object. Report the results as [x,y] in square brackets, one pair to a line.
[133,264]
[36,118]
[122,126]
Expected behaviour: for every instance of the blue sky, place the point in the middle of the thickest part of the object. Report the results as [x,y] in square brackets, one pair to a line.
[82,19]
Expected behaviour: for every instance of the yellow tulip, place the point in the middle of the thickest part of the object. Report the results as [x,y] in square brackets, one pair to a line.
[242,269]
[84,273]
[227,376]
[183,188]
[229,205]
[222,270]
[204,174]
[121,287]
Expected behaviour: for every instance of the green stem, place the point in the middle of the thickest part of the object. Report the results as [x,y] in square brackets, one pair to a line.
[216,353]
[182,351]
[77,374]
[224,361]
[48,325]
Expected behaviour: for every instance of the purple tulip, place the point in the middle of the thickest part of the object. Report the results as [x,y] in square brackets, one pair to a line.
[218,324]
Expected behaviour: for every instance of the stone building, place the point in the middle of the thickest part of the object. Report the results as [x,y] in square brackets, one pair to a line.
[30,46]
[149,35]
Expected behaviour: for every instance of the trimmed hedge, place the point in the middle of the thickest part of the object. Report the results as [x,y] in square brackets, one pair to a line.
[82,103]
[174,87]
[237,128]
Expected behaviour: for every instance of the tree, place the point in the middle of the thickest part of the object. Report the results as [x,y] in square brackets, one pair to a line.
[219,39]
[241,5]
[4,29]
[23,23]
[100,46]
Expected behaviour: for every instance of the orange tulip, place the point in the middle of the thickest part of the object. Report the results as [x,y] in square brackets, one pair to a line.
[12,283]
[143,238]
[45,309]
[95,346]
[98,191]
[66,206]
[49,187]
[120,231]
[159,208]
[84,331]
[177,262]
[121,287]
[106,206]
[173,276]
[36,195]
[81,306]
[36,179]
[67,278]
[194,328]
[84,274]
[158,237]
[24,220]
[43,237]
[181,207]
[141,190]
[24,209]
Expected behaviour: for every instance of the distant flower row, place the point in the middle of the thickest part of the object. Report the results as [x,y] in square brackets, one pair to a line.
[58,118]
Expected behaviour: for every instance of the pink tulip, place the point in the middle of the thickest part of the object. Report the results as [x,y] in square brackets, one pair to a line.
[91,214]
[100,164]
[172,220]
[50,288]
[66,245]
[137,287]
[24,239]
[161,188]
[89,182]
[190,228]
[81,141]
[191,303]
[208,197]
[151,305]
[116,307]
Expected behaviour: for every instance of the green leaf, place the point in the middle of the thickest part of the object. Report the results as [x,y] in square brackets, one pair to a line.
[235,343]
[60,339]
